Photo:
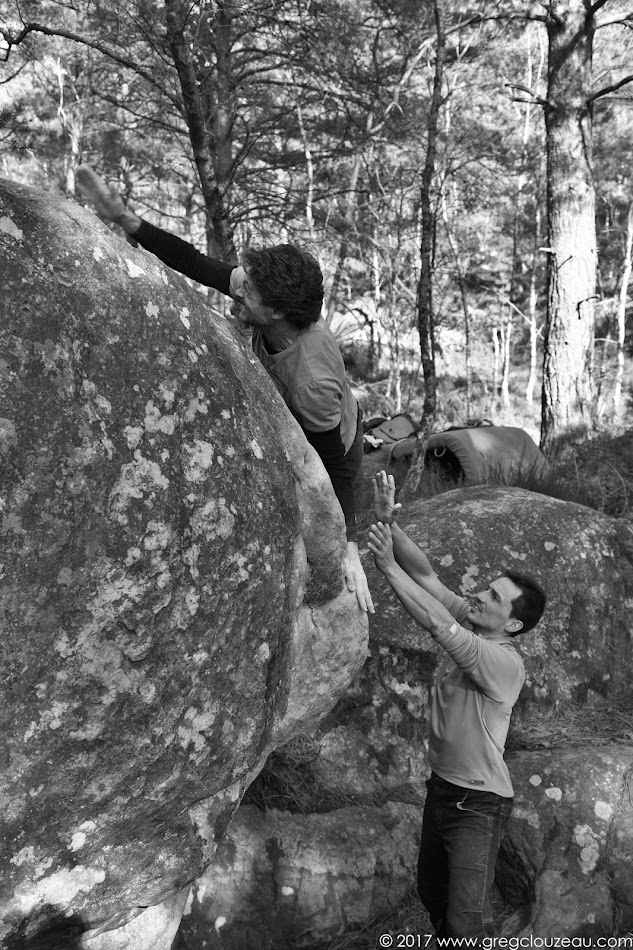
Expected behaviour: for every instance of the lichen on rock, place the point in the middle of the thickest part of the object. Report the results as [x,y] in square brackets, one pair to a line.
[172,573]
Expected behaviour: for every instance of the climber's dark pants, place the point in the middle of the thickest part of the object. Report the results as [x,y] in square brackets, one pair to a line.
[462,830]
[343,468]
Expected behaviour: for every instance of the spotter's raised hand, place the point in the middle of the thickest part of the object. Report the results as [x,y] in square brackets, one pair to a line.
[385,507]
[381,546]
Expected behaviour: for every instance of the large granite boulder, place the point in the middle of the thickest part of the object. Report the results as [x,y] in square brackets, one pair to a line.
[172,595]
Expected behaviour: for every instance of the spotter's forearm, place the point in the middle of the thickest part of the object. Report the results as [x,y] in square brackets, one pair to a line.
[415,563]
[421,605]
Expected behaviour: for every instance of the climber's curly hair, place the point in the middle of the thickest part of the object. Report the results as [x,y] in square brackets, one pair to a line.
[289,280]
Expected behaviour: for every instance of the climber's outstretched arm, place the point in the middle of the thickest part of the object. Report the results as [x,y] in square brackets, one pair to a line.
[171,250]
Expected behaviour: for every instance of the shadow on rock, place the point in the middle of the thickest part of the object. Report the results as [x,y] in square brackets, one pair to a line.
[58,932]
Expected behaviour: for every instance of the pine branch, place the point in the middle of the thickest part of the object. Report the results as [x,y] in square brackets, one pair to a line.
[607,89]
[17,39]
[533,96]
[597,5]
[621,21]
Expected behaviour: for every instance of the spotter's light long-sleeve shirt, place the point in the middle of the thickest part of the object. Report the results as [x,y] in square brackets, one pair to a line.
[476,687]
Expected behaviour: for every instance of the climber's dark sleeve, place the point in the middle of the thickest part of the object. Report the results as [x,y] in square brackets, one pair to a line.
[183,257]
[342,468]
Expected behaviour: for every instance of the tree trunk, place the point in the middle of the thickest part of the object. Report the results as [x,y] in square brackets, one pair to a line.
[219,233]
[495,371]
[533,78]
[621,314]
[348,224]
[72,122]
[426,316]
[506,331]
[219,121]
[506,353]
[531,383]
[376,295]
[461,283]
[602,381]
[394,384]
[307,151]
[567,406]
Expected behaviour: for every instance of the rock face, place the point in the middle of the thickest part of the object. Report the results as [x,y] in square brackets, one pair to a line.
[172,596]
[570,841]
[293,880]
[567,862]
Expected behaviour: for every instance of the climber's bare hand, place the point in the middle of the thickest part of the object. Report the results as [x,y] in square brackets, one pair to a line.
[355,578]
[106,199]
[385,507]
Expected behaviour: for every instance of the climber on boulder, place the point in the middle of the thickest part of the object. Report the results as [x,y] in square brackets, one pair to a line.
[470,793]
[278,293]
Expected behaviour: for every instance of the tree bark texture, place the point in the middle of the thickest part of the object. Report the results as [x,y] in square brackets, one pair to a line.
[533,297]
[567,406]
[426,317]
[621,312]
[219,101]
[203,140]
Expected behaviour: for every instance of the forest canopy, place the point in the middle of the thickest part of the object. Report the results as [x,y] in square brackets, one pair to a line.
[463,173]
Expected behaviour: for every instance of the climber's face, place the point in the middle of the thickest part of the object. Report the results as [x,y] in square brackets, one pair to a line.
[491,609]
[249,309]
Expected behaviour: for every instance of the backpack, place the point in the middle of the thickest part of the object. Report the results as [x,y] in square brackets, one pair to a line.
[395,438]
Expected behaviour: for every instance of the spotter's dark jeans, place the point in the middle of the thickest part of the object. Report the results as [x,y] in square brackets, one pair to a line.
[462,829]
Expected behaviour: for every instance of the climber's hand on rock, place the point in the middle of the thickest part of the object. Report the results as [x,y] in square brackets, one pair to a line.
[385,507]
[355,578]
[106,199]
[381,546]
